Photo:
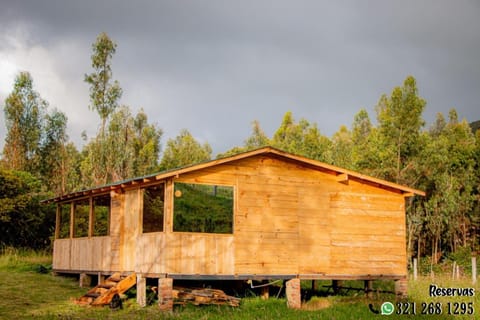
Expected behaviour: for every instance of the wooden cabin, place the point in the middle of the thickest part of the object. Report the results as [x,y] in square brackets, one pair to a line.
[263,214]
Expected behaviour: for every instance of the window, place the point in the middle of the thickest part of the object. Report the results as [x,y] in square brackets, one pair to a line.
[203,208]
[64,231]
[82,210]
[153,205]
[101,207]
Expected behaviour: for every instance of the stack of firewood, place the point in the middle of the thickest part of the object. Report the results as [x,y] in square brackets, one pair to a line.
[198,296]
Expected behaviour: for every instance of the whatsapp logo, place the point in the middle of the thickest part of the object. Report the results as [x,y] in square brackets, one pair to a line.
[387,308]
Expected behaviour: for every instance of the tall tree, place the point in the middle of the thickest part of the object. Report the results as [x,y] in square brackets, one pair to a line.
[104,94]
[301,138]
[23,221]
[341,148]
[146,144]
[361,131]
[184,150]
[444,219]
[54,167]
[130,148]
[24,110]
[399,122]
[258,138]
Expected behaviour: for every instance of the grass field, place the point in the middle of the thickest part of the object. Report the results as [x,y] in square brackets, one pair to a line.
[25,293]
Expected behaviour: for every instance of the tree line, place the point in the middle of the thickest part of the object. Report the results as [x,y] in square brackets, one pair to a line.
[40,161]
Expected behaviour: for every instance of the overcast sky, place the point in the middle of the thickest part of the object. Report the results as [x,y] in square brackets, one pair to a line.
[215,66]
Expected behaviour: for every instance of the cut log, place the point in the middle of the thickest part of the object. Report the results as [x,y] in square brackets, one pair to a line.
[104,292]
[203,296]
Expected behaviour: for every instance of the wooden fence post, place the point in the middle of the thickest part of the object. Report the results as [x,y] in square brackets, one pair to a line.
[415,273]
[474,270]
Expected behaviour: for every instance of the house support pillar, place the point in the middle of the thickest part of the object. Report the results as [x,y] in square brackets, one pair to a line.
[85,280]
[165,294]
[265,291]
[336,286]
[100,278]
[368,285]
[292,290]
[141,290]
[401,288]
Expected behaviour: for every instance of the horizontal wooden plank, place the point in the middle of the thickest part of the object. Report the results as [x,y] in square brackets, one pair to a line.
[366,230]
[369,212]
[368,264]
[252,234]
[366,243]
[366,258]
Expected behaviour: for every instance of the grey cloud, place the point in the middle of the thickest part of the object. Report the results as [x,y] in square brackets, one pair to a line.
[214,66]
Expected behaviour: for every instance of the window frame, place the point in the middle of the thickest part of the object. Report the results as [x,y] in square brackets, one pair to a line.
[142,206]
[95,214]
[234,199]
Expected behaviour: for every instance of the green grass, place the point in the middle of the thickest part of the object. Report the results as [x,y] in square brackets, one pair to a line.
[25,294]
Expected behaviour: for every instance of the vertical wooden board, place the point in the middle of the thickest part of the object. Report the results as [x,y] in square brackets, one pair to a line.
[62,254]
[225,250]
[150,253]
[117,205]
[106,255]
[131,229]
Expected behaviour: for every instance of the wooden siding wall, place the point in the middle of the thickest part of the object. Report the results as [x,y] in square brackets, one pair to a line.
[368,234]
[288,220]
[185,253]
[131,229]
[96,253]
[82,254]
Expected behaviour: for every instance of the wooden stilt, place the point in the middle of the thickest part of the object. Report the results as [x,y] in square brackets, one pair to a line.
[265,293]
[294,299]
[401,288]
[165,297]
[141,290]
[336,286]
[368,288]
[85,280]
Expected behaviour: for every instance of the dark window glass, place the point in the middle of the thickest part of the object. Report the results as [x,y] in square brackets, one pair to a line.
[101,205]
[153,205]
[82,210]
[64,221]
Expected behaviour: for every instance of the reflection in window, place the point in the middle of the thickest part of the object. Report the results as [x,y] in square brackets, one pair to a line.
[82,210]
[153,204]
[203,208]
[101,207]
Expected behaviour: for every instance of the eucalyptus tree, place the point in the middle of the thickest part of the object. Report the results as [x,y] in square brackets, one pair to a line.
[130,147]
[55,163]
[257,139]
[24,111]
[184,150]
[400,122]
[104,93]
[301,138]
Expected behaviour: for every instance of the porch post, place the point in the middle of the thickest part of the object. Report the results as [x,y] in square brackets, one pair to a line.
[57,221]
